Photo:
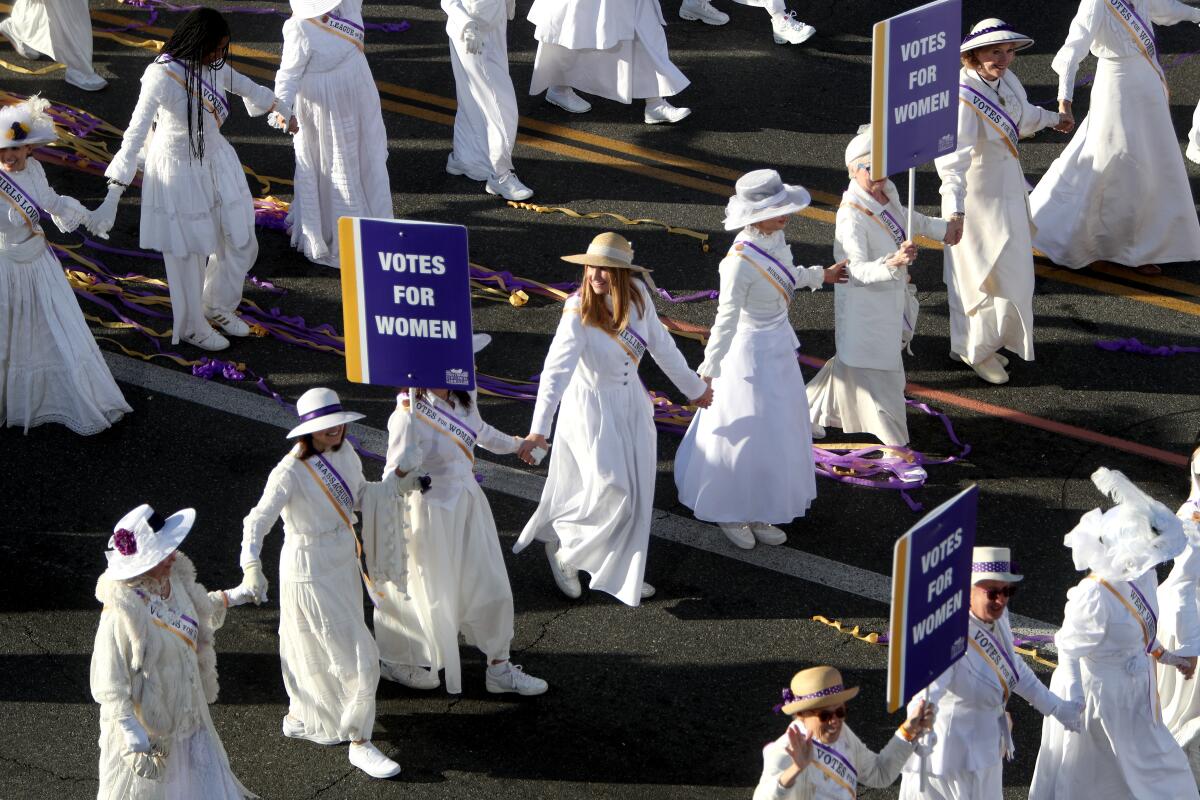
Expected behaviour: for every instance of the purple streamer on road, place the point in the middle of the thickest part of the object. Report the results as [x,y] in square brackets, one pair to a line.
[155,5]
[1134,346]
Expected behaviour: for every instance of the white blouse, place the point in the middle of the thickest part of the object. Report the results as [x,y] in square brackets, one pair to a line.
[308,48]
[876,771]
[18,241]
[486,14]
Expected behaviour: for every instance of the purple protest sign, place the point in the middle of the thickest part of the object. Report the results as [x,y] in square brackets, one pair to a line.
[406,302]
[914,87]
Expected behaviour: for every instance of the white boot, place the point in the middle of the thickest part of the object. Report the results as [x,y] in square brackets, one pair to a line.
[703,11]
[789,30]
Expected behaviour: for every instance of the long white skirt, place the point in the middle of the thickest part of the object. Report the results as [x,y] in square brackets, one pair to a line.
[485,125]
[986,784]
[341,157]
[1180,698]
[635,68]
[197,769]
[860,400]
[1119,191]
[457,582]
[598,499]
[50,367]
[62,29]
[748,458]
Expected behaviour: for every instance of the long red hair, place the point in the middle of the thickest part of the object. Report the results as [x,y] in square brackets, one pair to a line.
[624,290]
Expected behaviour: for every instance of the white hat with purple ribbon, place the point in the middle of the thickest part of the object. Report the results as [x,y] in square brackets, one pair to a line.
[993,564]
[993,31]
[142,539]
[320,409]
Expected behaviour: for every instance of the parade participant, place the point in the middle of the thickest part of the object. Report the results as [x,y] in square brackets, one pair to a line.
[612,48]
[196,207]
[457,582]
[989,273]
[329,659]
[485,124]
[594,513]
[1119,192]
[1107,648]
[819,757]
[971,731]
[50,367]
[154,669]
[861,389]
[62,29]
[785,28]
[340,140]
[746,463]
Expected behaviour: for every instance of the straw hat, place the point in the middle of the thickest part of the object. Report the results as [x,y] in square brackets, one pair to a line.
[816,687]
[26,123]
[993,564]
[307,9]
[762,195]
[320,409]
[993,31]
[860,145]
[608,250]
[142,539]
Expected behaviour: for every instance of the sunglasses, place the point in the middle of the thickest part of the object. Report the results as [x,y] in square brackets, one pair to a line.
[995,594]
[826,714]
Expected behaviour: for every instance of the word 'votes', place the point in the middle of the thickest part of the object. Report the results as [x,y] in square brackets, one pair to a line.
[937,555]
[412,262]
[923,46]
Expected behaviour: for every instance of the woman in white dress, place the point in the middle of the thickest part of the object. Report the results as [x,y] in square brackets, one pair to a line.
[154,668]
[1119,192]
[1107,649]
[340,141]
[594,513]
[196,207]
[457,582]
[62,29]
[329,659]
[485,124]
[50,367]
[612,48]
[861,389]
[989,273]
[746,463]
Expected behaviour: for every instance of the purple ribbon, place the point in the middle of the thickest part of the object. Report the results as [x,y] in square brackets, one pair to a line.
[1134,346]
[321,412]
[985,31]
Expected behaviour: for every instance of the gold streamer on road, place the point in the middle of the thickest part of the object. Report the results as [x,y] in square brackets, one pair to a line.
[573,214]
[872,637]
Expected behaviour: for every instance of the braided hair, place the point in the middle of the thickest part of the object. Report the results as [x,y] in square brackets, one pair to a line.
[198,35]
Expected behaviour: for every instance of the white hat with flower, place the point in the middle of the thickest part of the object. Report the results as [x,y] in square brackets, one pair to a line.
[142,539]
[26,123]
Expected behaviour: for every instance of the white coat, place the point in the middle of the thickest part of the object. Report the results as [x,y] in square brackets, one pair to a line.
[874,770]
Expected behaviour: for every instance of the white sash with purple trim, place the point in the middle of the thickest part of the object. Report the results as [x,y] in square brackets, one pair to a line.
[631,342]
[1142,35]
[212,98]
[19,198]
[164,616]
[341,28]
[835,767]
[992,115]
[885,218]
[333,483]
[769,267]
[446,424]
[997,656]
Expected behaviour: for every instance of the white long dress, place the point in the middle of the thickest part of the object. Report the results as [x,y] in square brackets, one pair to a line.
[1125,751]
[815,783]
[166,677]
[485,125]
[989,274]
[748,457]
[1119,191]
[861,389]
[62,29]
[599,496]
[50,367]
[457,581]
[971,727]
[329,658]
[341,147]
[612,48]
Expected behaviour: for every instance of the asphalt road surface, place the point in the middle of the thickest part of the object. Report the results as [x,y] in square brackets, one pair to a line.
[672,699]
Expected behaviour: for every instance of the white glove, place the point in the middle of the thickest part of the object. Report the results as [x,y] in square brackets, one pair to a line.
[1069,714]
[472,39]
[409,483]
[277,121]
[512,9]
[1185,664]
[134,735]
[239,595]
[254,581]
[100,221]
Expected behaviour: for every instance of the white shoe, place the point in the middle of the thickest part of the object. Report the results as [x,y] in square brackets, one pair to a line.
[702,10]
[509,187]
[23,50]
[211,341]
[766,533]
[410,676]
[739,533]
[818,431]
[89,82]
[513,679]
[662,111]
[1193,152]
[565,98]
[231,324]
[367,757]
[998,356]
[648,591]
[456,167]
[294,729]
[566,577]
[789,30]
[989,369]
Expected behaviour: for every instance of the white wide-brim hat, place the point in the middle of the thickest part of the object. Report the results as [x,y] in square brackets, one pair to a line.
[307,9]
[993,31]
[993,564]
[860,145]
[762,195]
[142,539]
[479,341]
[320,409]
[26,123]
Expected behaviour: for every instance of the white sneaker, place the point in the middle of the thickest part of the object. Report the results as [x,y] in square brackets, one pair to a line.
[211,341]
[456,167]
[565,98]
[1193,152]
[89,82]
[662,111]
[648,591]
[998,356]
[566,577]
[231,324]
[513,679]
[789,30]
[23,50]
[766,533]
[989,369]
[294,729]
[739,533]
[702,10]
[509,187]
[410,676]
[367,757]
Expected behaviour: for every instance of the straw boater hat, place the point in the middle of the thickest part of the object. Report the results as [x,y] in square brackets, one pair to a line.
[762,195]
[142,539]
[26,123]
[307,9]
[608,250]
[993,31]
[320,409]
[860,145]
[993,564]
[813,688]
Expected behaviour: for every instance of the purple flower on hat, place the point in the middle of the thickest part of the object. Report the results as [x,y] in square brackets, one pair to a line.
[125,542]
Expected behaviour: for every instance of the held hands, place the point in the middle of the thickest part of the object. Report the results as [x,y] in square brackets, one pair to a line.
[954,231]
[133,735]
[903,257]
[1069,714]
[836,273]
[100,221]
[254,582]
[471,39]
[706,398]
[533,440]
[239,595]
[1066,119]
[1185,664]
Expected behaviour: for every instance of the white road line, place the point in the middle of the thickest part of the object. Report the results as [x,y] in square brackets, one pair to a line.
[527,486]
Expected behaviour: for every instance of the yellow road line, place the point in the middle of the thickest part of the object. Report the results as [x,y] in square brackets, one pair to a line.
[1174,284]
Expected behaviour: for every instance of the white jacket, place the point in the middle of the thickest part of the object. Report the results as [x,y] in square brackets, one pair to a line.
[874,770]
